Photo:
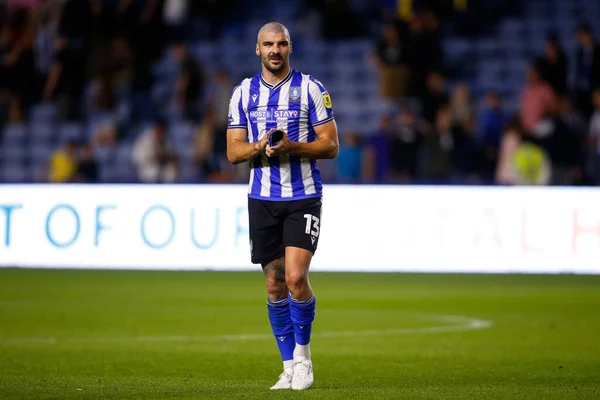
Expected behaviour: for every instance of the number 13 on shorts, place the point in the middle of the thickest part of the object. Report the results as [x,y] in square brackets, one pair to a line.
[312,226]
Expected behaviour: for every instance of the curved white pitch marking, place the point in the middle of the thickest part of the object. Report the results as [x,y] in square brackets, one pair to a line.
[459,323]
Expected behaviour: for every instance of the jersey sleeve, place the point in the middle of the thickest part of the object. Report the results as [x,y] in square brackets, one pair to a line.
[320,107]
[237,115]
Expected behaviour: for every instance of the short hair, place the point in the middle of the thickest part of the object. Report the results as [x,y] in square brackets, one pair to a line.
[274,27]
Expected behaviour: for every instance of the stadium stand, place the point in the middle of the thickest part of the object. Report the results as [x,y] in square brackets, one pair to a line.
[181,66]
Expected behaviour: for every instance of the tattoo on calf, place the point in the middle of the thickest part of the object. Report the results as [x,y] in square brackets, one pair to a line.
[275,277]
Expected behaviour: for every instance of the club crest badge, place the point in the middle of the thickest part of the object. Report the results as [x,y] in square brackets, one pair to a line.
[295,93]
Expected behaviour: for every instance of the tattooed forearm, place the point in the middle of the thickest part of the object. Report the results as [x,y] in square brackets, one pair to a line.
[275,279]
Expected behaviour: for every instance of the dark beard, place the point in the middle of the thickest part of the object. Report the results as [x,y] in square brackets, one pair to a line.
[275,69]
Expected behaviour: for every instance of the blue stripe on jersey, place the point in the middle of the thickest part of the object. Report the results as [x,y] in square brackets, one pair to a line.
[311,106]
[313,113]
[256,164]
[316,175]
[312,79]
[314,168]
[254,93]
[275,177]
[273,104]
[294,134]
[296,176]
[294,125]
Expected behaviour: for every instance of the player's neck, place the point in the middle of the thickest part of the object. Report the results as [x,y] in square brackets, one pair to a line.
[274,78]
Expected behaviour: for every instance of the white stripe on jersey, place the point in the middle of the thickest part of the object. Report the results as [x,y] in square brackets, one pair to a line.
[251,179]
[245,89]
[265,182]
[307,178]
[315,94]
[234,115]
[284,161]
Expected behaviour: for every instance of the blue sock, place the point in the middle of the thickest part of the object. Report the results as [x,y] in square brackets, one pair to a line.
[303,314]
[283,330]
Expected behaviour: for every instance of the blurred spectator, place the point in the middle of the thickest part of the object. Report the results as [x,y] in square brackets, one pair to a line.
[378,151]
[190,83]
[571,116]
[553,65]
[562,138]
[154,157]
[393,63]
[87,167]
[146,38]
[491,119]
[175,14]
[107,134]
[537,100]
[531,165]
[111,58]
[63,163]
[210,150]
[587,68]
[217,99]
[17,64]
[490,123]
[521,162]
[103,98]
[434,97]
[73,44]
[426,50]
[461,104]
[466,156]
[405,147]
[511,139]
[594,140]
[45,20]
[438,147]
[349,165]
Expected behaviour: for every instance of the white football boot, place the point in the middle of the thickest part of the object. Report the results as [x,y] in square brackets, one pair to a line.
[303,374]
[285,380]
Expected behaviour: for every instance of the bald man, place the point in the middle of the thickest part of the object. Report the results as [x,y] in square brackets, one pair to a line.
[281,122]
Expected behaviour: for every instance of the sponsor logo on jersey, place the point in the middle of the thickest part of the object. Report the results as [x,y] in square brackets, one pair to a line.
[272,115]
[327,99]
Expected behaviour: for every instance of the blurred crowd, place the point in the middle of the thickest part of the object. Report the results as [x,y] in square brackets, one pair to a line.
[437,132]
[93,58]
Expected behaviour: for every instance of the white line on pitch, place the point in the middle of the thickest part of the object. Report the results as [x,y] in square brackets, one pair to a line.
[459,323]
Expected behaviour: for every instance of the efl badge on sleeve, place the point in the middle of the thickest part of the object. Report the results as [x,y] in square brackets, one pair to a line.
[294,93]
[327,99]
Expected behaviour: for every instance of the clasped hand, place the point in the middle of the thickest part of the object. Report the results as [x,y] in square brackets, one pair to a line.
[282,147]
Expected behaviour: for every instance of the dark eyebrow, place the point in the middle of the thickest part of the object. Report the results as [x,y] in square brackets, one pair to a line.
[283,42]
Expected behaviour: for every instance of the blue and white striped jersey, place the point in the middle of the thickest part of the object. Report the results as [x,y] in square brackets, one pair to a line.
[296,104]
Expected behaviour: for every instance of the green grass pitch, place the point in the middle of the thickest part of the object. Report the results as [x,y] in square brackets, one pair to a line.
[70,334]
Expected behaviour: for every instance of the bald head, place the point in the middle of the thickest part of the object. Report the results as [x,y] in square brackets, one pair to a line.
[274,46]
[273,27]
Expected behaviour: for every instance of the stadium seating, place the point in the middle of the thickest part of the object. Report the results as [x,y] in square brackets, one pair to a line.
[497,61]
